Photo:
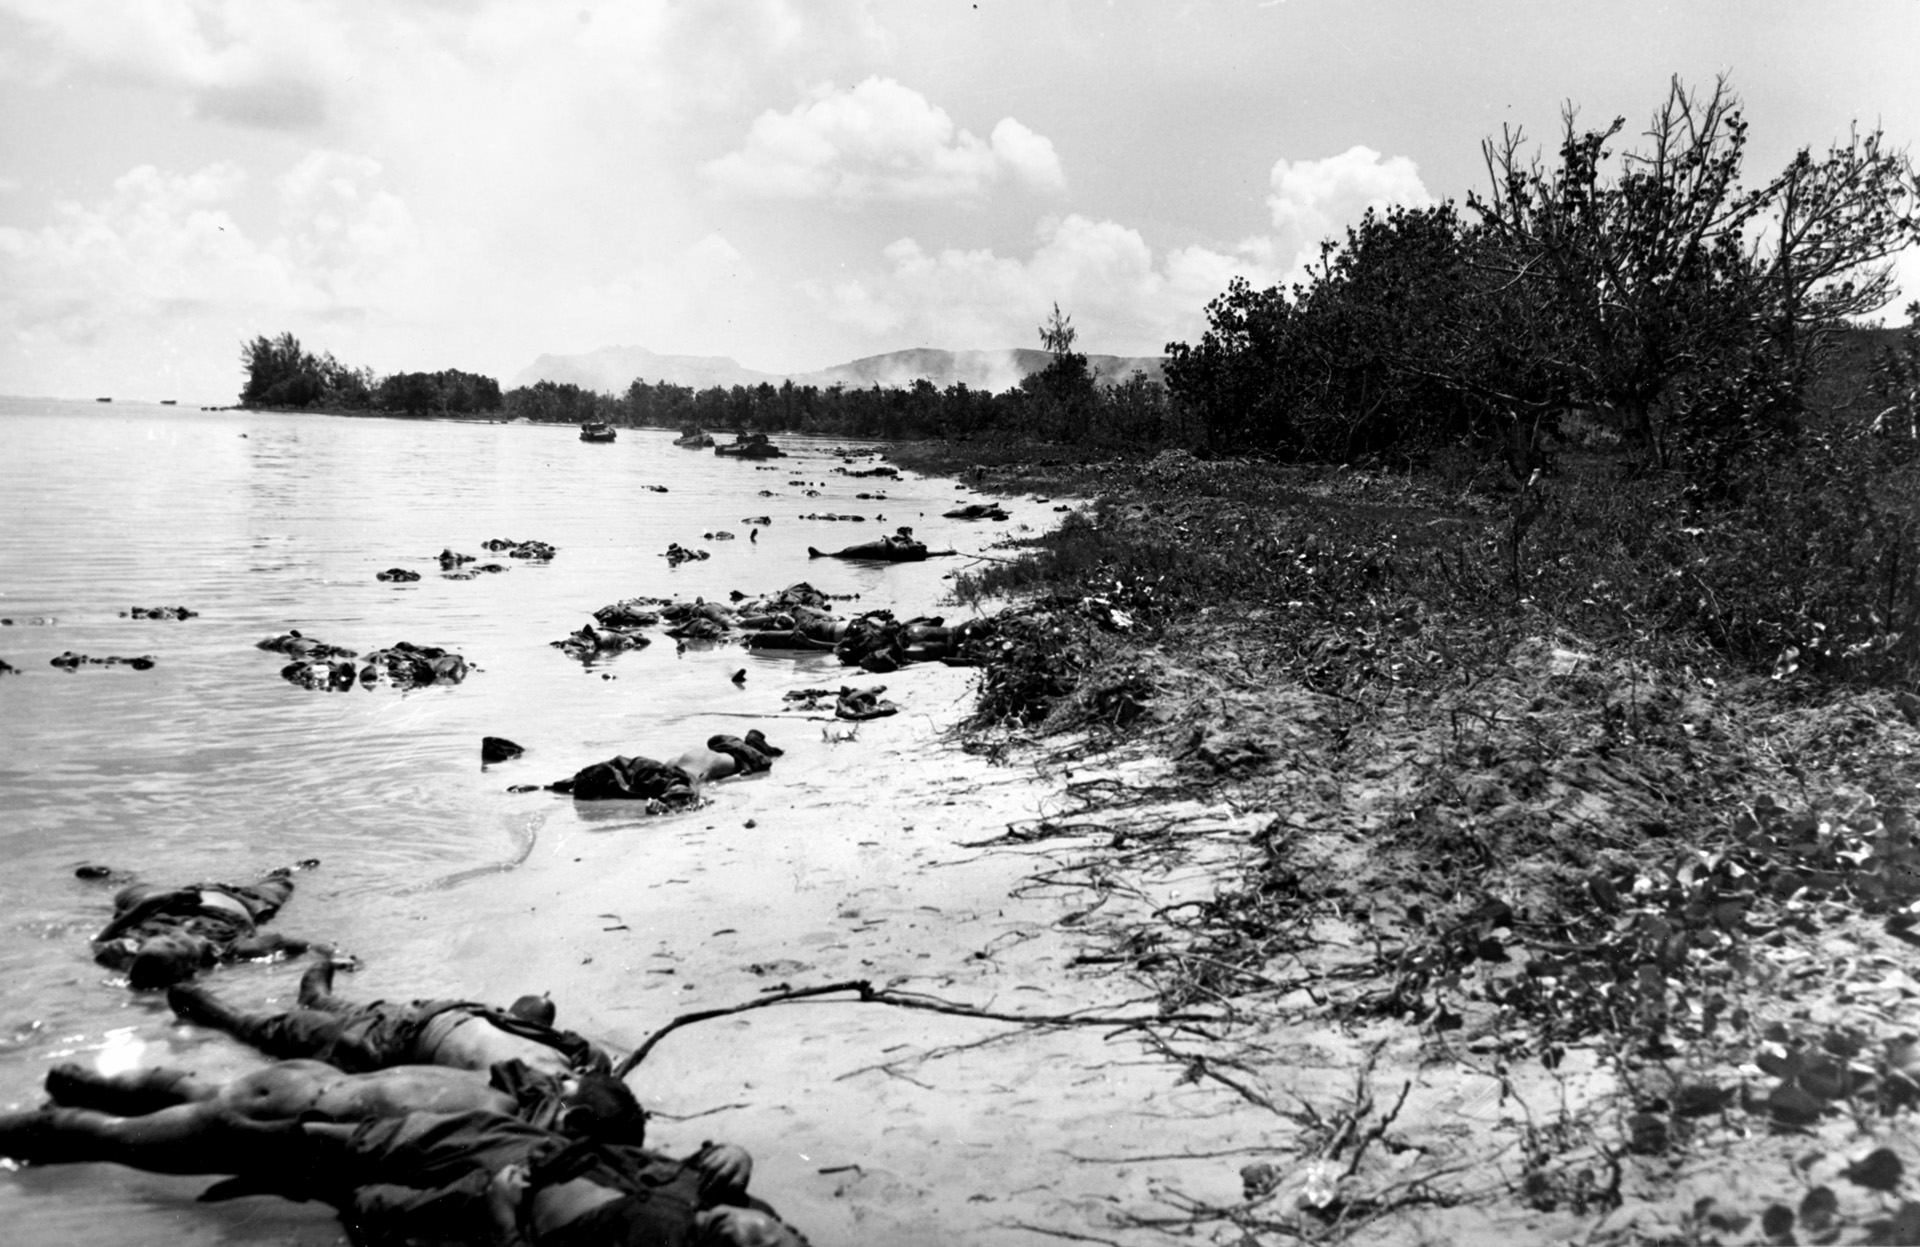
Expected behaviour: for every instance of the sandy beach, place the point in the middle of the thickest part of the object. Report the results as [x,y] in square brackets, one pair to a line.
[870,1124]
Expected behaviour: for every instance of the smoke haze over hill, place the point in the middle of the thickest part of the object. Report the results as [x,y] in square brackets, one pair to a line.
[611,369]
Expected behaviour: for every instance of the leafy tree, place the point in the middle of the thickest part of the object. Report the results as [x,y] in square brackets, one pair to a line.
[279,373]
[1682,301]
[1063,392]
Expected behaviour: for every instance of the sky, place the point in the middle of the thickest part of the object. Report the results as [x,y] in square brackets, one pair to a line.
[427,184]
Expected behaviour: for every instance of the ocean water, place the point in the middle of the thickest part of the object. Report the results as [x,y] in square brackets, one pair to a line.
[210,766]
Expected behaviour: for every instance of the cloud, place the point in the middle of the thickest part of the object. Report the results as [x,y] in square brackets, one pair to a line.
[164,259]
[879,141]
[260,63]
[1123,299]
[1313,200]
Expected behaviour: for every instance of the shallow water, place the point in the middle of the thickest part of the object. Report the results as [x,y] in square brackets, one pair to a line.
[209,766]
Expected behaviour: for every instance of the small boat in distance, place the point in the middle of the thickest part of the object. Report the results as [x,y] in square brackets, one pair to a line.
[596,431]
[169,402]
[693,438]
[103,400]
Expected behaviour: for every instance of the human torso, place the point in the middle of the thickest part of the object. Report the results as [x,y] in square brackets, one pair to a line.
[291,1089]
[462,1040]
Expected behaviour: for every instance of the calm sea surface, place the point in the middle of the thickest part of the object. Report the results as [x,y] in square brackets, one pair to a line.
[209,766]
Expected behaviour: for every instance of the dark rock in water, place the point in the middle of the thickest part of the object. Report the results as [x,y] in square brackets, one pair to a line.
[7,668]
[498,749]
[93,871]
[396,573]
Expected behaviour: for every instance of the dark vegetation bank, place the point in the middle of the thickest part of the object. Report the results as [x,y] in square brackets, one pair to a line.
[1544,589]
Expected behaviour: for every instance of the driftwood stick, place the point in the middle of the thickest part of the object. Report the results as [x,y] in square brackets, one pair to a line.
[867,993]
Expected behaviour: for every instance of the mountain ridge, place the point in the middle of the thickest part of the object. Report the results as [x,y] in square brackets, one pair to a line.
[611,369]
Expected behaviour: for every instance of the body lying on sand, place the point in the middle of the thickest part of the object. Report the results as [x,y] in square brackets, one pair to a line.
[449,1119]
[380,1034]
[407,1153]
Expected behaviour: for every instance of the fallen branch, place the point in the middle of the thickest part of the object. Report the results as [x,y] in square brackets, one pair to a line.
[867,993]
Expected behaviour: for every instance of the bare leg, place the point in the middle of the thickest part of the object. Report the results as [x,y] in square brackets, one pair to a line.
[188,1138]
[129,1095]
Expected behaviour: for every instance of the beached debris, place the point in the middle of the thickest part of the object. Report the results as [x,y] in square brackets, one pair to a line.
[71,661]
[718,535]
[398,574]
[7,668]
[882,470]
[159,612]
[450,560]
[863,704]
[677,554]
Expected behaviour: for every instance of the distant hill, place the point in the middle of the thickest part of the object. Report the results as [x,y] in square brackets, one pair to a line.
[611,369]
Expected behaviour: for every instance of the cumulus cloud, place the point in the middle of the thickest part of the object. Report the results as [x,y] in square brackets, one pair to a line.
[1311,200]
[165,258]
[259,63]
[1122,298]
[879,141]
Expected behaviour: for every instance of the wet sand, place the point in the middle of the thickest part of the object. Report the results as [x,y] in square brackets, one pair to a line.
[852,869]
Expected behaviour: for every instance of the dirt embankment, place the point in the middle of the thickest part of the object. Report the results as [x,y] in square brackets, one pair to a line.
[1543,932]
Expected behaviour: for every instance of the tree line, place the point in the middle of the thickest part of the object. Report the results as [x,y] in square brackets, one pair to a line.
[1062,402]
[1636,292]
[281,373]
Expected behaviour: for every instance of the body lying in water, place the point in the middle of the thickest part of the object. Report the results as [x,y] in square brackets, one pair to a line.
[675,784]
[162,935]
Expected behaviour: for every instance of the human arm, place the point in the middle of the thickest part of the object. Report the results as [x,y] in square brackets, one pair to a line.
[506,1200]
